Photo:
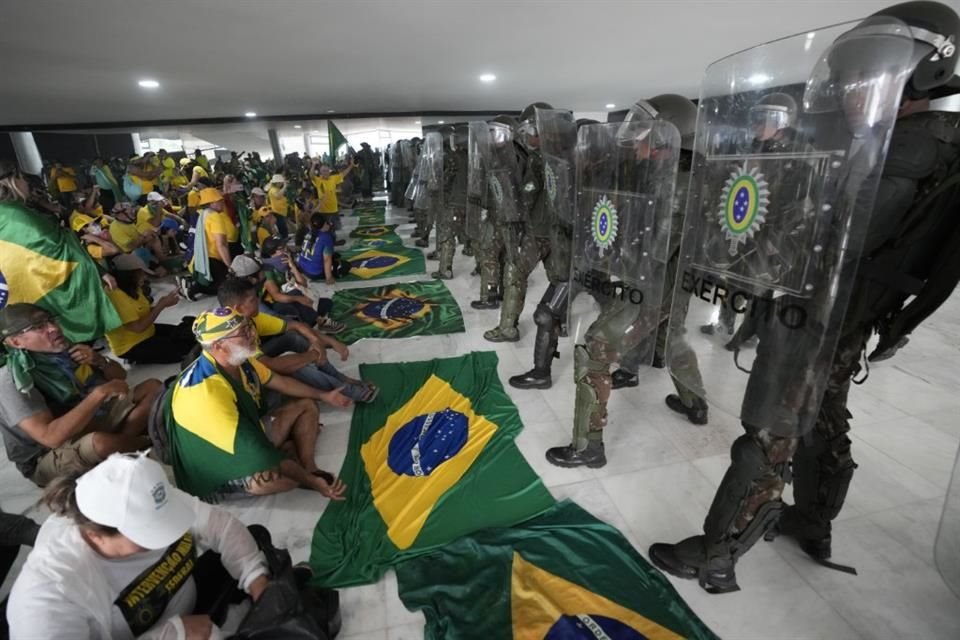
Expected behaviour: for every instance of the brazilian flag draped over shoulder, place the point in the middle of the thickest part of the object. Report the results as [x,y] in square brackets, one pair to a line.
[561,576]
[45,264]
[382,262]
[397,311]
[432,460]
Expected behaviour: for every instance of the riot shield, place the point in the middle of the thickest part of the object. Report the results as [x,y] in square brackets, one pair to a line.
[558,138]
[478,149]
[775,220]
[413,187]
[395,163]
[455,185]
[433,173]
[947,550]
[503,176]
[621,233]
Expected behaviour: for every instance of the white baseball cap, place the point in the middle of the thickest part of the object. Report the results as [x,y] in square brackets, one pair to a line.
[277,178]
[131,493]
[153,196]
[244,266]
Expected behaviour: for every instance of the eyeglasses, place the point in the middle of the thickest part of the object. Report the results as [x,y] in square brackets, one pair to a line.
[245,332]
[34,326]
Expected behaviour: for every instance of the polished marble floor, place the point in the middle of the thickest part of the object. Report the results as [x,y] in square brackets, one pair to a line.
[661,476]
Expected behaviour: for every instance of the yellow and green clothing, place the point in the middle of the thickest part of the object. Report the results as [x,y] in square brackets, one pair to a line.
[145,219]
[215,426]
[125,235]
[277,200]
[130,309]
[66,179]
[327,192]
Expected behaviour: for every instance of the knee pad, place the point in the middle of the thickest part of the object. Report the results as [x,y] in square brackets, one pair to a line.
[544,318]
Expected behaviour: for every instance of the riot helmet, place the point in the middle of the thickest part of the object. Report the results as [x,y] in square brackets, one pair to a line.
[501,130]
[935,28]
[528,113]
[675,109]
[773,112]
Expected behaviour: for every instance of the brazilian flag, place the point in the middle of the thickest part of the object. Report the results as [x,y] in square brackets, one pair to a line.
[397,311]
[432,460]
[383,262]
[375,215]
[375,236]
[44,263]
[562,575]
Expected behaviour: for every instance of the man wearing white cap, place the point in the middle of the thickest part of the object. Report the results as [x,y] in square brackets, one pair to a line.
[277,199]
[117,558]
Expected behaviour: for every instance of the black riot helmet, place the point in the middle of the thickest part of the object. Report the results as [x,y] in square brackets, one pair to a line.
[777,110]
[935,28]
[529,112]
[675,109]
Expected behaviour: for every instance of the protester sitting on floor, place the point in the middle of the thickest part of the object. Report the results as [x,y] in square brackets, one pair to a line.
[292,348]
[211,252]
[277,277]
[141,339]
[125,234]
[317,259]
[224,441]
[157,216]
[94,236]
[122,556]
[265,225]
[63,407]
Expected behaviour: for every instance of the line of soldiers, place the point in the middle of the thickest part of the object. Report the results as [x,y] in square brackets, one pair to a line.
[813,212]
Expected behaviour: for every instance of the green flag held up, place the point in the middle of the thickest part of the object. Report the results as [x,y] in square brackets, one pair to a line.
[382,262]
[397,311]
[45,264]
[337,139]
[563,574]
[432,460]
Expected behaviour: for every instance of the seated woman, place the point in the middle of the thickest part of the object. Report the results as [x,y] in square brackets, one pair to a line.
[94,236]
[317,259]
[282,286]
[120,558]
[140,339]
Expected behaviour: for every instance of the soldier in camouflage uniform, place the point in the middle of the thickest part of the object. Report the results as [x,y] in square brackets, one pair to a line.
[527,237]
[909,200]
[501,199]
[450,218]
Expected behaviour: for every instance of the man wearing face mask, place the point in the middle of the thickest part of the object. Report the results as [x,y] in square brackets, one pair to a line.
[63,407]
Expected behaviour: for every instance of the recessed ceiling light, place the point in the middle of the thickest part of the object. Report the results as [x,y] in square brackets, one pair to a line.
[417,122]
[330,111]
[297,126]
[487,77]
[439,121]
[149,84]
[610,105]
[250,114]
[315,132]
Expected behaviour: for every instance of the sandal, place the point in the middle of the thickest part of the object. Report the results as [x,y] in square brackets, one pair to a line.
[371,394]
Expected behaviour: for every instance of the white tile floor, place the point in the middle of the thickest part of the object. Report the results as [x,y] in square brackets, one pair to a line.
[661,476]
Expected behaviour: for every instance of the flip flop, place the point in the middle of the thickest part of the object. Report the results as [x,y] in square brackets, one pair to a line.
[372,392]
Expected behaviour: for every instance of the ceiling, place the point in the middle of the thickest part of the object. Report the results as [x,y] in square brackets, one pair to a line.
[73,62]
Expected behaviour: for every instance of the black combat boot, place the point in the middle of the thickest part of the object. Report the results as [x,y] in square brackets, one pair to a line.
[696,414]
[622,378]
[533,379]
[687,559]
[568,457]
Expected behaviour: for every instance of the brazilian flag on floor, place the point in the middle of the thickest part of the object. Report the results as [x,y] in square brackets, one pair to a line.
[561,575]
[370,215]
[375,236]
[44,263]
[397,311]
[370,263]
[431,460]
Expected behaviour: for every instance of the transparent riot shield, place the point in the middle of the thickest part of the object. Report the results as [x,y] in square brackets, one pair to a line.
[775,218]
[433,173]
[396,166]
[478,150]
[621,232]
[947,550]
[558,137]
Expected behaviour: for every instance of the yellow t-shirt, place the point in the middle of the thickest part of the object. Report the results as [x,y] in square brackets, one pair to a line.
[179,181]
[268,325]
[145,220]
[277,200]
[147,185]
[169,169]
[217,222]
[129,309]
[327,192]
[66,180]
[124,235]
[262,234]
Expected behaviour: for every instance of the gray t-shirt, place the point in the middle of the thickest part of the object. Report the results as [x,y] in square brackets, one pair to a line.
[15,407]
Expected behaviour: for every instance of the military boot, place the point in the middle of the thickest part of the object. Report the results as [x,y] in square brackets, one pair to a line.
[687,559]
[443,274]
[490,302]
[422,242]
[432,255]
[696,414]
[468,250]
[814,538]
[502,334]
[623,378]
[568,457]
[544,351]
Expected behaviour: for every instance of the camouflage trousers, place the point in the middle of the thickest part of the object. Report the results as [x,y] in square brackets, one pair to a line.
[553,251]
[489,259]
[447,223]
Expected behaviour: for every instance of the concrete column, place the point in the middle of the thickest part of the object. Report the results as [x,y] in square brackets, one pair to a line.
[275,145]
[28,156]
[137,143]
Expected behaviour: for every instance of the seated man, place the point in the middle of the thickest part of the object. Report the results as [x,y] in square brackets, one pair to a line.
[63,407]
[125,234]
[159,218]
[308,361]
[317,259]
[223,442]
